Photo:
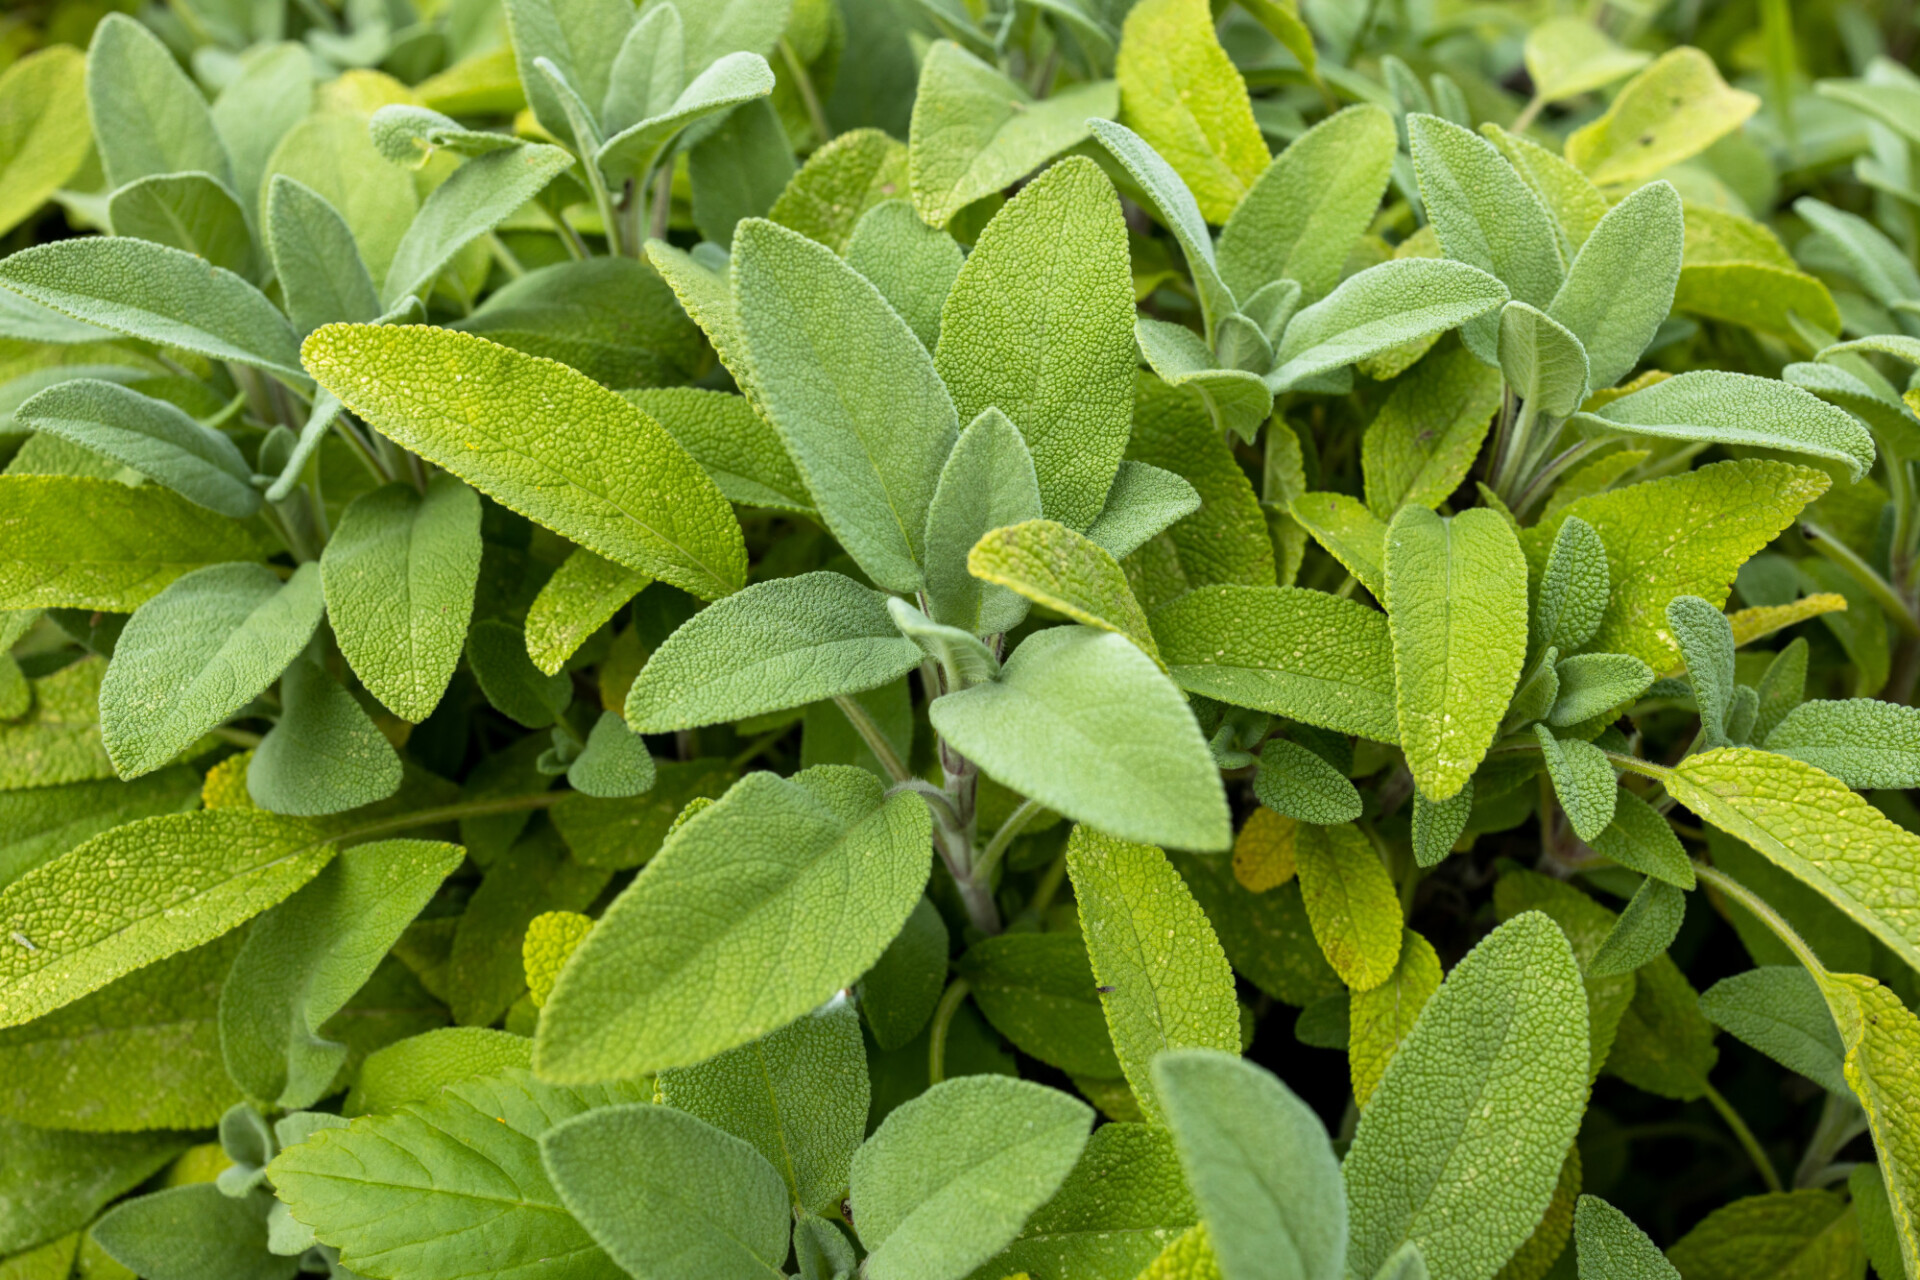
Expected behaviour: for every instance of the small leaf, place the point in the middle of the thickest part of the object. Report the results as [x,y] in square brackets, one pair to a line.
[324,755]
[1262,1170]
[1352,903]
[948,1179]
[778,644]
[791,848]
[581,39]
[477,197]
[1380,1020]
[839,183]
[1593,683]
[1706,643]
[1420,445]
[1178,211]
[1779,1010]
[1865,743]
[187,1231]
[911,264]
[1437,826]
[1612,1248]
[731,442]
[198,652]
[1236,399]
[1165,982]
[735,77]
[614,763]
[613,481]
[1567,57]
[1574,588]
[1542,362]
[1294,781]
[1380,308]
[1646,929]
[1583,781]
[987,481]
[1739,409]
[1350,533]
[1805,1230]
[1673,110]
[1144,501]
[1068,572]
[497,653]
[583,593]
[1084,722]
[667,1194]
[189,211]
[1037,990]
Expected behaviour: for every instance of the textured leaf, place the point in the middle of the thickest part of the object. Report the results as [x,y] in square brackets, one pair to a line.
[1174,202]
[1419,446]
[189,211]
[1068,572]
[1303,214]
[1664,1044]
[198,652]
[1085,722]
[1640,239]
[1351,902]
[182,880]
[1739,409]
[614,763]
[1583,781]
[148,117]
[1647,927]
[1593,683]
[304,960]
[1040,325]
[1236,399]
[987,482]
[667,1194]
[1182,94]
[1294,781]
[1587,925]
[1680,535]
[1164,979]
[581,596]
[454,1185]
[1458,1102]
[552,937]
[324,755]
[417,1068]
[1779,1010]
[1380,308]
[778,644]
[798,1096]
[581,38]
[46,821]
[1380,1020]
[1569,195]
[911,264]
[1225,540]
[1567,57]
[623,833]
[821,874]
[1809,824]
[852,392]
[1865,743]
[898,994]
[1612,1248]
[164,295]
[839,183]
[53,1182]
[1037,990]
[484,972]
[1302,654]
[1802,1232]
[1262,1170]
[733,78]
[59,740]
[1881,1035]
[149,435]
[477,197]
[1266,935]
[976,132]
[44,133]
[1456,606]
[613,319]
[1542,362]
[1674,109]
[1349,532]
[194,1230]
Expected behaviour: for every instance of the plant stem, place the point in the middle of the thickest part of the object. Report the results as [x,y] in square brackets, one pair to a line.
[576,247]
[238,737]
[803,83]
[1046,891]
[1860,571]
[1009,831]
[1749,1143]
[508,260]
[1527,115]
[937,1028]
[1753,902]
[1841,1121]
[454,812]
[876,741]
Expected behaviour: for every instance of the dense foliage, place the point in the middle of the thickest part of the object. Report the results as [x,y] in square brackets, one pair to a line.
[943,639]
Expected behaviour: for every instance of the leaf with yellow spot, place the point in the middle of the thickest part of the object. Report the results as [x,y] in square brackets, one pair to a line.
[1378,1020]
[1066,571]
[1180,91]
[551,938]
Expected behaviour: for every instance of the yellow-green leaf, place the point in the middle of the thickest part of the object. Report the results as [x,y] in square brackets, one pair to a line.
[43,129]
[1052,565]
[1351,902]
[1882,1037]
[1378,1020]
[1674,110]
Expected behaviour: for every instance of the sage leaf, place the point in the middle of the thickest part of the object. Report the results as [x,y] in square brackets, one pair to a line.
[1068,572]
[189,211]
[1739,409]
[1380,1020]
[631,154]
[1583,781]
[1083,721]
[198,652]
[1647,927]
[1640,239]
[1705,638]
[581,38]
[43,98]
[1236,399]
[1865,743]
[1174,202]
[611,318]
[1592,683]
[1610,1247]
[1037,990]
[479,195]
[1144,501]
[1574,588]
[614,763]
[839,183]
[1779,1010]
[1567,57]
[734,445]
[1351,903]
[614,481]
[988,482]
[1380,308]
[1542,362]
[1676,108]
[911,264]
[583,593]
[148,117]
[194,1230]
[1419,446]
[1294,781]
[325,755]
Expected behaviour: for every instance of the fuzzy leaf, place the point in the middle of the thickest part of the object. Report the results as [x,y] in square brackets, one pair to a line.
[1739,409]
[583,593]
[735,445]
[839,183]
[479,195]
[1542,362]
[1380,308]
[911,264]
[1292,780]
[1647,927]
[1419,446]
[189,211]
[1673,110]
[1865,743]
[1592,683]
[988,482]
[1779,1010]
[45,135]
[1380,1020]
[1610,1247]
[1175,204]
[730,80]
[1352,903]
[148,116]
[1184,96]
[324,755]
[1574,588]
[1567,57]
[1583,781]
[1640,239]
[1883,1044]
[1037,990]
[1143,502]
[1068,572]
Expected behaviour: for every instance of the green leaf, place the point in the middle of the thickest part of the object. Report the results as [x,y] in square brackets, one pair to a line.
[631,154]
[304,960]
[988,482]
[583,593]
[1304,213]
[1236,399]
[1262,1170]
[189,211]
[1739,409]
[324,755]
[1802,1232]
[148,117]
[1664,1045]
[614,319]
[1068,572]
[54,1181]
[1294,781]
[46,821]
[949,1178]
[1875,262]
[1574,588]
[332,153]
[1647,927]
[1380,308]
[1175,203]
[669,1195]
[1417,1169]
[581,38]
[151,436]
[1865,743]
[1380,1020]
[820,874]
[417,1068]
[898,994]
[911,264]
[399,575]
[1040,325]
[1302,654]
[59,740]
[1420,445]
[478,196]
[1705,638]
[976,132]
[46,135]
[1583,781]
[839,183]
[270,94]
[1352,903]
[1567,57]
[194,1230]
[1735,269]
[1437,827]
[1184,96]
[1037,990]
[1349,532]
[1592,683]
[1485,216]
[1640,239]
[1679,535]
[1779,1010]
[1542,362]
[1084,722]
[1164,980]
[198,652]
[778,644]
[1611,1248]
[735,445]
[159,294]
[1457,607]
[485,972]
[1811,825]
[1587,925]
[852,393]
[738,170]
[615,482]
[1673,110]
[1868,1190]
[798,1096]
[1569,195]
[1124,1202]
[183,879]
[1883,1040]
[1144,501]
[619,834]
[143,1052]
[454,1186]
[614,763]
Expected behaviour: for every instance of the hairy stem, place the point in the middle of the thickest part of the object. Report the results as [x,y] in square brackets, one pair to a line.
[937,1029]
[1748,1143]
